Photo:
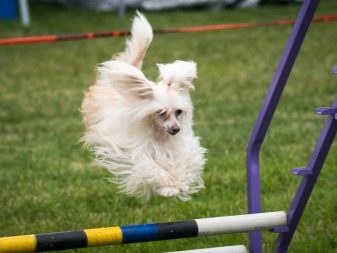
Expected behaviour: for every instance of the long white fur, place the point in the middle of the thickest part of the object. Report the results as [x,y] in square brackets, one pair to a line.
[118,114]
[137,45]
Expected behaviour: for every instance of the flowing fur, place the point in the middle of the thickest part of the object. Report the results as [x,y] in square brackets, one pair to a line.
[125,127]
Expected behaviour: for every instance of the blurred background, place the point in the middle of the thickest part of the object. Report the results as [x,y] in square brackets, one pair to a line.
[9,8]
[47,179]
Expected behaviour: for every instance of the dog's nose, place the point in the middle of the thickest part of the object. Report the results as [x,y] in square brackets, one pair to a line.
[174,130]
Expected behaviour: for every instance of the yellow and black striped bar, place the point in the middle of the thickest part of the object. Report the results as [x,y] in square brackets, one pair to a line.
[142,233]
[98,237]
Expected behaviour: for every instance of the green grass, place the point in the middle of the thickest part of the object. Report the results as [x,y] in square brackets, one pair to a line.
[46,177]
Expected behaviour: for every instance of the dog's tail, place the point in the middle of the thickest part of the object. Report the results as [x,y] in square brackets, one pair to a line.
[136,46]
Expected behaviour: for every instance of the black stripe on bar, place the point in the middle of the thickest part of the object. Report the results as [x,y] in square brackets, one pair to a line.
[77,36]
[60,241]
[175,230]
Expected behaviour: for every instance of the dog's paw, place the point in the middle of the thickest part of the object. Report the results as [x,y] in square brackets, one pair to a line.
[168,191]
[184,188]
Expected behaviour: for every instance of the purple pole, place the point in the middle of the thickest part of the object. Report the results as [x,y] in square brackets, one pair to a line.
[267,111]
[310,175]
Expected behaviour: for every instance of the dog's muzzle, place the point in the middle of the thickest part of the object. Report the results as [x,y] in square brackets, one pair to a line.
[173,130]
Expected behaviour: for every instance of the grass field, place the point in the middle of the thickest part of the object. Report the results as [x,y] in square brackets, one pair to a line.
[46,177]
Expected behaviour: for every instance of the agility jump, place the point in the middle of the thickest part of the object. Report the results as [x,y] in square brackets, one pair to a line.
[143,233]
[284,224]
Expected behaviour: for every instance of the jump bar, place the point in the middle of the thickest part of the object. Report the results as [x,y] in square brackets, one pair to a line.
[228,249]
[142,233]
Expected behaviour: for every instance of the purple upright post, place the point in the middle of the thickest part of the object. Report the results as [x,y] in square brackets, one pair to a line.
[267,111]
[310,177]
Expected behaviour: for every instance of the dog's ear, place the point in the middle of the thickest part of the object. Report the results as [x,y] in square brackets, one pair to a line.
[178,74]
[128,80]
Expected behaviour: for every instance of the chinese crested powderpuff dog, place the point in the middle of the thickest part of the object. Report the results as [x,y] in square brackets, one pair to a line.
[140,130]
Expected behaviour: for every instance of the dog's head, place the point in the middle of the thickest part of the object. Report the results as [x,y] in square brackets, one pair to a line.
[172,95]
[166,104]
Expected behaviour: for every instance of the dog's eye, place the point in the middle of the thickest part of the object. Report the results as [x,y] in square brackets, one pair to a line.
[178,112]
[161,113]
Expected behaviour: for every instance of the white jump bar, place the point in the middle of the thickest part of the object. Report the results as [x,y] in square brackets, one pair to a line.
[241,223]
[228,249]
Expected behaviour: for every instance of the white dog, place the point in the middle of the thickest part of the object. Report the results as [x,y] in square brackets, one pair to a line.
[141,131]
